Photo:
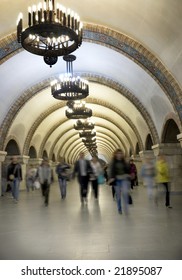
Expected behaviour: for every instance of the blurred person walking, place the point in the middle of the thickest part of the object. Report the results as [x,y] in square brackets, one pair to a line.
[62,172]
[44,175]
[83,170]
[148,174]
[97,173]
[31,177]
[163,177]
[14,176]
[120,172]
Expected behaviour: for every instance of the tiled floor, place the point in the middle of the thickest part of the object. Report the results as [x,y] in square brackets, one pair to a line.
[67,230]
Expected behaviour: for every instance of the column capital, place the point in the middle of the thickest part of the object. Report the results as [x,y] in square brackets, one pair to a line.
[179,137]
[137,158]
[167,149]
[35,161]
[156,149]
[146,153]
[2,156]
[21,159]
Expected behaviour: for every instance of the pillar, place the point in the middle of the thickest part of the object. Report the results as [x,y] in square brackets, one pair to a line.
[2,177]
[173,153]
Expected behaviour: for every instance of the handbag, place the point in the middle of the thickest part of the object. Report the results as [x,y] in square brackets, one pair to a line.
[36,185]
[11,177]
[100,179]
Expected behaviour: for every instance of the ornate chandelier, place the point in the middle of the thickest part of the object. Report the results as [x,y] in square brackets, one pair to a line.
[69,87]
[87,134]
[51,32]
[90,141]
[85,125]
[77,110]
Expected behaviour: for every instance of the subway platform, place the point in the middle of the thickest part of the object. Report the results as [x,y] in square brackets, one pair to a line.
[68,230]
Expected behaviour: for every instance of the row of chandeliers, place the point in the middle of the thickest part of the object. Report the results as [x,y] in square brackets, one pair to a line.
[55,31]
[73,90]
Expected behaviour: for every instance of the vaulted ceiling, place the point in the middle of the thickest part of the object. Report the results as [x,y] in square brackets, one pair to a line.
[132,56]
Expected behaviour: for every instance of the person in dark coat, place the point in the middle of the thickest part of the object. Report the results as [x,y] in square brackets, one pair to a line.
[44,176]
[14,176]
[120,174]
[62,172]
[83,170]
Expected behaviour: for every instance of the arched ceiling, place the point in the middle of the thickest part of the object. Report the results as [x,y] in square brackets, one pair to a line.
[131,54]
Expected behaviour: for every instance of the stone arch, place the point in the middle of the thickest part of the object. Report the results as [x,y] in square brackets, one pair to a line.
[63,143]
[127,46]
[170,132]
[16,107]
[57,139]
[44,154]
[32,152]
[130,48]
[89,100]
[140,55]
[148,143]
[12,148]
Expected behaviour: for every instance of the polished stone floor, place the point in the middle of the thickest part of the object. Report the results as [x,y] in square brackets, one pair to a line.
[67,230]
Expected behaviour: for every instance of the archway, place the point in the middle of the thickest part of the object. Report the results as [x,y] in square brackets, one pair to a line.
[12,148]
[148,143]
[170,132]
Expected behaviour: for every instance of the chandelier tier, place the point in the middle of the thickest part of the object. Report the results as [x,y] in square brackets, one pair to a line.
[69,87]
[87,134]
[90,141]
[85,125]
[77,110]
[51,32]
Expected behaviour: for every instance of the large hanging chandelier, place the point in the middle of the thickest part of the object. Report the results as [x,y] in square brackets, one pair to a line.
[85,125]
[51,32]
[77,110]
[69,87]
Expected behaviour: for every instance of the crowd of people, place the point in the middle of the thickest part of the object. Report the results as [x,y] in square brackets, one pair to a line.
[120,174]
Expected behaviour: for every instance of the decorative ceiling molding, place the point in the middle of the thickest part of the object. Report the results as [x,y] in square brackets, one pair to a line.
[63,145]
[25,97]
[120,113]
[63,132]
[67,147]
[123,44]
[140,55]
[130,96]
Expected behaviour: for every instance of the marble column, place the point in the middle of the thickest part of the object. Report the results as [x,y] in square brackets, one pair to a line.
[2,178]
[173,153]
